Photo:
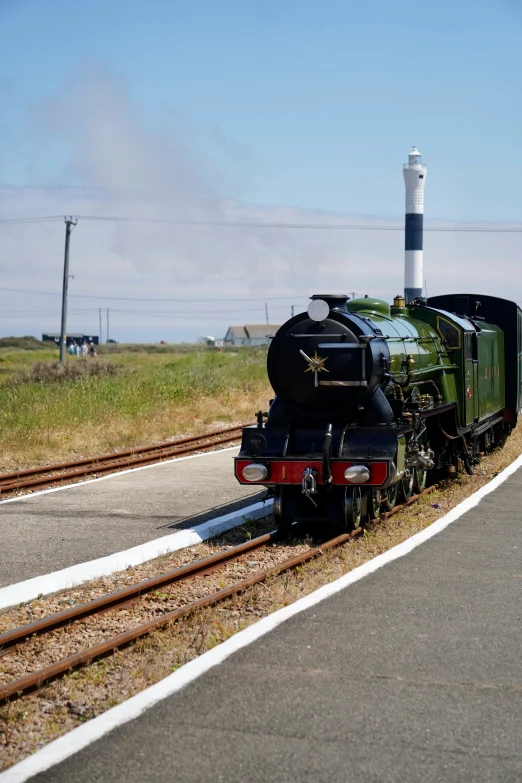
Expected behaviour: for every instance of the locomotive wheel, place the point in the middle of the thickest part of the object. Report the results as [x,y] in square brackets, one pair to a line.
[420,476]
[390,496]
[407,487]
[353,507]
[285,509]
[469,464]
[374,503]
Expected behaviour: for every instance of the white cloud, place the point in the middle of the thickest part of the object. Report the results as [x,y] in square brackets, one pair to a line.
[128,169]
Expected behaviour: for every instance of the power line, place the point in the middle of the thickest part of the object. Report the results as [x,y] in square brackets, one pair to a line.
[201,317]
[223,316]
[204,312]
[46,312]
[32,219]
[305,226]
[155,299]
[149,313]
[256,225]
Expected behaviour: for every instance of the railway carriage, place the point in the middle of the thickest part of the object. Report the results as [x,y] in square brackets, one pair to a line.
[370,398]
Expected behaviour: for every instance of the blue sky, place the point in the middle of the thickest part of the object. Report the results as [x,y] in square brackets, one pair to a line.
[324,99]
[306,107]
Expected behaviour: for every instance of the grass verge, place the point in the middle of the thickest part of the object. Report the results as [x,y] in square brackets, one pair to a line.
[127,399]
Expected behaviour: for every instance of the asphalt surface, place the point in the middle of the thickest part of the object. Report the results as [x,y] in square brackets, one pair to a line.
[412,674]
[47,532]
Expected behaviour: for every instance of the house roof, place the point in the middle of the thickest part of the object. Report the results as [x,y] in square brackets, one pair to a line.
[255,331]
[237,331]
[251,331]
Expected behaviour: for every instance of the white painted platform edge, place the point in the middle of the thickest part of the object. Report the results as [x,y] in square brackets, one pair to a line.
[113,475]
[88,732]
[93,569]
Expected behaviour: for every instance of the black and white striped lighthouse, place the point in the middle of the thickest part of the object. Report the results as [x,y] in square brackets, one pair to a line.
[414,179]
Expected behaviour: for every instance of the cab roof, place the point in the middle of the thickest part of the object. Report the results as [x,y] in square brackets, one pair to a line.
[462,323]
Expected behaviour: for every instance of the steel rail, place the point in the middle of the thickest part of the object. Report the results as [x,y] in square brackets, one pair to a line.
[36,679]
[107,463]
[115,465]
[126,453]
[113,600]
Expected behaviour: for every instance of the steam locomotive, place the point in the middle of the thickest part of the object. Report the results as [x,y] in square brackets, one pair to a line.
[372,398]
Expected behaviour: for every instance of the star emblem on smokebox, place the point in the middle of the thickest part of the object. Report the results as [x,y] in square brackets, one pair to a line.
[315,363]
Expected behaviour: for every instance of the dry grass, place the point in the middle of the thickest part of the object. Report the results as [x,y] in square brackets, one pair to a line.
[27,343]
[28,724]
[91,407]
[54,372]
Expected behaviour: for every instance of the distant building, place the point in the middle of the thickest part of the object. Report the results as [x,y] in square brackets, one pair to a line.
[70,338]
[206,339]
[251,334]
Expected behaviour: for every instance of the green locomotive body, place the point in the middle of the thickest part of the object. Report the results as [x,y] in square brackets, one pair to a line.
[462,358]
[499,360]
[370,398]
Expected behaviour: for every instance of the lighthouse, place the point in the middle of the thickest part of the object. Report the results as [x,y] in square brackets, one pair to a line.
[415,180]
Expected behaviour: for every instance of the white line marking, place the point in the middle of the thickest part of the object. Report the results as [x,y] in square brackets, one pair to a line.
[93,569]
[83,735]
[114,475]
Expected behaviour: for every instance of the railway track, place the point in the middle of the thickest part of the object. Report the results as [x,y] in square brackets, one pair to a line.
[60,473]
[36,679]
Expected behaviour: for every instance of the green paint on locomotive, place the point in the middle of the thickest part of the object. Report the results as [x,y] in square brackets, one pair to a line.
[465,363]
[488,367]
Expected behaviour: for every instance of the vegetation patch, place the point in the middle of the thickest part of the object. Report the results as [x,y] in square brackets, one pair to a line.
[87,407]
[55,372]
[23,343]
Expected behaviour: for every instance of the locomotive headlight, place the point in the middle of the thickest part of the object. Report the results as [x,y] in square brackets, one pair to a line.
[254,472]
[318,310]
[357,474]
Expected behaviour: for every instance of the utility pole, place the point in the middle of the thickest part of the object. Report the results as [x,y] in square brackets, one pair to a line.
[100,327]
[70,222]
[292,306]
[266,313]
[107,335]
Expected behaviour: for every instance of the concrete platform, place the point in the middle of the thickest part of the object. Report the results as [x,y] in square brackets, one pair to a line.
[413,673]
[50,531]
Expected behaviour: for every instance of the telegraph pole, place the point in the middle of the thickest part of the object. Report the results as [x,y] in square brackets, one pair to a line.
[266,313]
[292,306]
[107,335]
[70,222]
[100,325]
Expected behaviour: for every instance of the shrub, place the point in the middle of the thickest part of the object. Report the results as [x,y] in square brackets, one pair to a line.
[23,343]
[54,372]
